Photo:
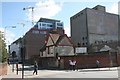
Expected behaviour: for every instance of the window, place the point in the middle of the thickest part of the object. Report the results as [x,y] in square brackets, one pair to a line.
[48,50]
[73,17]
[43,32]
[59,25]
[49,25]
[83,44]
[43,24]
[51,49]
[76,16]
[35,32]
[78,44]
[41,53]
[83,38]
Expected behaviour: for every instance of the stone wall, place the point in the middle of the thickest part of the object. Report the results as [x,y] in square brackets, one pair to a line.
[3,69]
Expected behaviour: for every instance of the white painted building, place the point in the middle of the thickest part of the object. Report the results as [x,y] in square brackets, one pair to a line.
[16,47]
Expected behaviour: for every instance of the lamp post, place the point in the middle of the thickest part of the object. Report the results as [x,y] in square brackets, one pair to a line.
[5,30]
[6,42]
[23,58]
[23,50]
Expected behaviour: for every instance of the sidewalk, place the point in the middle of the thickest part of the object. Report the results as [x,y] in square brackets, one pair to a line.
[81,73]
[11,74]
[29,73]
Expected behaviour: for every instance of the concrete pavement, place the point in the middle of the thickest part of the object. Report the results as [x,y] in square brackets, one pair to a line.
[111,73]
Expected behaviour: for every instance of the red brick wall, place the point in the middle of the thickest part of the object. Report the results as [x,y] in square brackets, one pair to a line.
[3,69]
[89,61]
[118,58]
[33,44]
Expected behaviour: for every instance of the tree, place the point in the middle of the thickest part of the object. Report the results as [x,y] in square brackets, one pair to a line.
[3,50]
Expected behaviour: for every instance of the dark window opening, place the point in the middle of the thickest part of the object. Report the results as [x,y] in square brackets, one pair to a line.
[78,44]
[83,38]
[83,44]
[95,42]
[42,54]
[48,51]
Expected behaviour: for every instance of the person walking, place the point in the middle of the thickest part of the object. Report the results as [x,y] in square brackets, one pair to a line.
[74,65]
[70,64]
[35,67]
[97,63]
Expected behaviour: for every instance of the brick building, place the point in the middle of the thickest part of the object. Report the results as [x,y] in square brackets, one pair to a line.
[34,39]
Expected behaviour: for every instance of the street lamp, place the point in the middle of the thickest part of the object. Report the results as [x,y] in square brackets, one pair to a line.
[22,48]
[23,58]
[6,41]
[5,30]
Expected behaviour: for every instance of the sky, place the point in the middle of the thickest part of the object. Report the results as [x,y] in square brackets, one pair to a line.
[12,13]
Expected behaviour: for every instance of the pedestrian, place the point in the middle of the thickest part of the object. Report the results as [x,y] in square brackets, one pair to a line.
[35,67]
[70,64]
[74,65]
[97,63]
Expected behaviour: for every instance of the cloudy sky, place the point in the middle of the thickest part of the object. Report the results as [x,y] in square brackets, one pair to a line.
[14,15]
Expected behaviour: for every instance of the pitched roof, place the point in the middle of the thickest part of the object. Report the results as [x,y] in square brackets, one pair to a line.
[57,39]
[64,40]
[107,48]
[52,39]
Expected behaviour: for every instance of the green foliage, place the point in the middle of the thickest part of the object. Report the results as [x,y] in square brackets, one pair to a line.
[3,50]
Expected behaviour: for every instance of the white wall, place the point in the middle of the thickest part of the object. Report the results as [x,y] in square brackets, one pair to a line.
[15,47]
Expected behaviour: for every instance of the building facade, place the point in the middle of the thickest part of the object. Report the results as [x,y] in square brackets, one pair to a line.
[49,24]
[93,26]
[56,46]
[15,47]
[34,39]
[119,19]
[59,45]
